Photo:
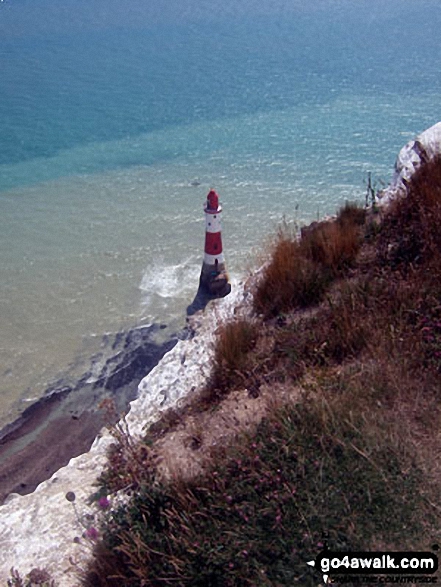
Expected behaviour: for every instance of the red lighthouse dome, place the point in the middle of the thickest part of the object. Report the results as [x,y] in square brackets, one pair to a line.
[212,200]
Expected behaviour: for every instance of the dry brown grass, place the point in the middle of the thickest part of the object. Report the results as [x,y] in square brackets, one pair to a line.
[290,280]
[332,245]
[234,342]
[337,464]
[352,214]
[354,458]
[301,269]
[411,229]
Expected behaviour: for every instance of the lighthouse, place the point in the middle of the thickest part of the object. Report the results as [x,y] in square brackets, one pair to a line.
[214,278]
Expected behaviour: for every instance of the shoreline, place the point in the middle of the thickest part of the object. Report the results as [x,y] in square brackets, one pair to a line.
[42,529]
[64,423]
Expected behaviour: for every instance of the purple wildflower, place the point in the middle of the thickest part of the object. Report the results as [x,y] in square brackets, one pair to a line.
[103,503]
[91,533]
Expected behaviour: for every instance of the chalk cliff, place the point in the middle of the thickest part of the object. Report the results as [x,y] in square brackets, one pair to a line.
[43,529]
[414,154]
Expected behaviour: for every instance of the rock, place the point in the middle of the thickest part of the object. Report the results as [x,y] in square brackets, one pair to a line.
[414,154]
[136,353]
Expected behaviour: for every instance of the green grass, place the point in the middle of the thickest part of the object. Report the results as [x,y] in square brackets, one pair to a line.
[352,462]
[325,469]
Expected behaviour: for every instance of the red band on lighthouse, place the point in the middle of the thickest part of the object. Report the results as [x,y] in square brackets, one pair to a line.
[213,243]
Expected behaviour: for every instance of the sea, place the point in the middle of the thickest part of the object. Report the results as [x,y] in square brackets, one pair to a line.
[116,118]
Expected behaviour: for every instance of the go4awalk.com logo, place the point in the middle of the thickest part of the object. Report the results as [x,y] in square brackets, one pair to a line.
[377,567]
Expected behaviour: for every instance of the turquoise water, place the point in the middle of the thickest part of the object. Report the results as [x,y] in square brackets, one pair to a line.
[116,119]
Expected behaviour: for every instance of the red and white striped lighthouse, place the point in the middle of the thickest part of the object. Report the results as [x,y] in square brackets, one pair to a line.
[214,278]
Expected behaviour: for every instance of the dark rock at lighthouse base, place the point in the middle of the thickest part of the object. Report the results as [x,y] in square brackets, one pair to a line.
[219,287]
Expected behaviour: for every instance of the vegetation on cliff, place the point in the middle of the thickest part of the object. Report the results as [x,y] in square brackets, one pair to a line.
[346,320]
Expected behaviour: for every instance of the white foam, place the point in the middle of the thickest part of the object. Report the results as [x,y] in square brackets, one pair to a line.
[169,281]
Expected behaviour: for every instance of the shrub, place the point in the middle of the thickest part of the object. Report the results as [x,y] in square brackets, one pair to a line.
[289,280]
[234,340]
[231,362]
[351,214]
[411,232]
[131,462]
[332,245]
[300,270]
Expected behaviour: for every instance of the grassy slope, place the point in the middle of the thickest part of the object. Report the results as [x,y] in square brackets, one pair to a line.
[352,314]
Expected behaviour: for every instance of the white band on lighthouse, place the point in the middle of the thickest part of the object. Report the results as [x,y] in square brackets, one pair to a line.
[213,221]
[211,259]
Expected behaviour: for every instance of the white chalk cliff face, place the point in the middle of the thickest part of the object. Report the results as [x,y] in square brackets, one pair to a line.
[44,530]
[414,154]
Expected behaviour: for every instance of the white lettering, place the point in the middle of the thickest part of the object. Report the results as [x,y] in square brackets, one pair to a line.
[391,562]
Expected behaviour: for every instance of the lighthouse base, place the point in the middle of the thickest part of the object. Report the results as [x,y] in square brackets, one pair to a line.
[213,284]
[214,280]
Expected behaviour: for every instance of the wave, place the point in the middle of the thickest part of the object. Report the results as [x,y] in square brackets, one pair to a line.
[170,281]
